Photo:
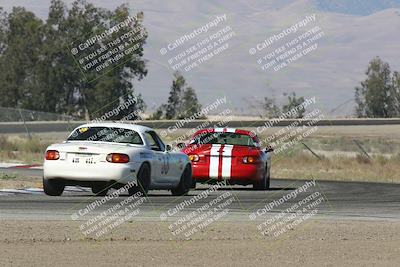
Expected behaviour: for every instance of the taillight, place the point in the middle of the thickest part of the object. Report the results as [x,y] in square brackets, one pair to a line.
[117,158]
[52,155]
[194,158]
[249,160]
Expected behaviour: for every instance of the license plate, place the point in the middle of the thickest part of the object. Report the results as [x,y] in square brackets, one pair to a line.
[83,158]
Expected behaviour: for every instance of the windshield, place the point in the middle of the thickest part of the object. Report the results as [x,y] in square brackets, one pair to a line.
[106,134]
[225,139]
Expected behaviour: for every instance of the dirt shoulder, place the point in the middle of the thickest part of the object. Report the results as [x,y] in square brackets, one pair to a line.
[13,181]
[315,243]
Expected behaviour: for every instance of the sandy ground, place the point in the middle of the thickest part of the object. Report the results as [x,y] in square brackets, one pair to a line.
[21,182]
[313,243]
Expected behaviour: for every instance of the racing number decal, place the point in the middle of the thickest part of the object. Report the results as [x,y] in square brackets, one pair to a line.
[165,165]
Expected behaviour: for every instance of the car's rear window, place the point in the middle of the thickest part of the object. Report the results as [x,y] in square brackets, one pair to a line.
[225,139]
[106,134]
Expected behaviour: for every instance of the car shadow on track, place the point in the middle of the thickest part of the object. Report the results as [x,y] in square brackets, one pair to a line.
[167,193]
[250,189]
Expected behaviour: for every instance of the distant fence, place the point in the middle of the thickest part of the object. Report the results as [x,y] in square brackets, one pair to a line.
[66,126]
[21,115]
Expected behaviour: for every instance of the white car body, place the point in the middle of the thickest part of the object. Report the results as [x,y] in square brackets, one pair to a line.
[83,162]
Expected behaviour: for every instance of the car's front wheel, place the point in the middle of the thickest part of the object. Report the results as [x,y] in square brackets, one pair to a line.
[185,183]
[264,183]
[53,187]
[193,186]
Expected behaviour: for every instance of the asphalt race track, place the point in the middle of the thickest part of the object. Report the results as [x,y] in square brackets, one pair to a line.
[342,200]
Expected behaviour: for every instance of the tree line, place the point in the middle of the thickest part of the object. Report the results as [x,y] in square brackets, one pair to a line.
[378,96]
[38,71]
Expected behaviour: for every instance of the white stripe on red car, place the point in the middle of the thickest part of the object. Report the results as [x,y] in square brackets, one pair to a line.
[220,161]
[214,161]
[227,161]
[224,130]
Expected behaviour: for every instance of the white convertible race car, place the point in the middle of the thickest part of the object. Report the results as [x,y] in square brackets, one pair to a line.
[111,155]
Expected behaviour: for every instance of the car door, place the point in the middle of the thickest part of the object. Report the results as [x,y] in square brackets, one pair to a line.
[163,163]
[175,161]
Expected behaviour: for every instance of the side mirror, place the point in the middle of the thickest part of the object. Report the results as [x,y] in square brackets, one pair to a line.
[269,149]
[180,145]
[168,148]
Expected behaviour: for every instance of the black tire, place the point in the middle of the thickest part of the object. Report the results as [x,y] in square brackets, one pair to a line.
[100,190]
[264,183]
[193,186]
[268,184]
[52,187]
[185,183]
[143,179]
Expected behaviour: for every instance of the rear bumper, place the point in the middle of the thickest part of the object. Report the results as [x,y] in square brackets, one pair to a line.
[104,171]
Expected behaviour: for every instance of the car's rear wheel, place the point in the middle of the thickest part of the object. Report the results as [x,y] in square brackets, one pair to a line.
[53,187]
[185,183]
[100,190]
[143,180]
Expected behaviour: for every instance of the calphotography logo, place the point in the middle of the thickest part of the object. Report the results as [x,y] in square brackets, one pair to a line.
[282,219]
[106,220]
[286,138]
[106,51]
[292,29]
[193,49]
[137,114]
[186,222]
[284,54]
[203,29]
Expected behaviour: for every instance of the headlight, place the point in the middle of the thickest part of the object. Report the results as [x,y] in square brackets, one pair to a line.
[194,158]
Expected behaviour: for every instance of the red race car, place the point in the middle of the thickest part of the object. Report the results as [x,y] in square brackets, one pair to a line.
[229,154]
